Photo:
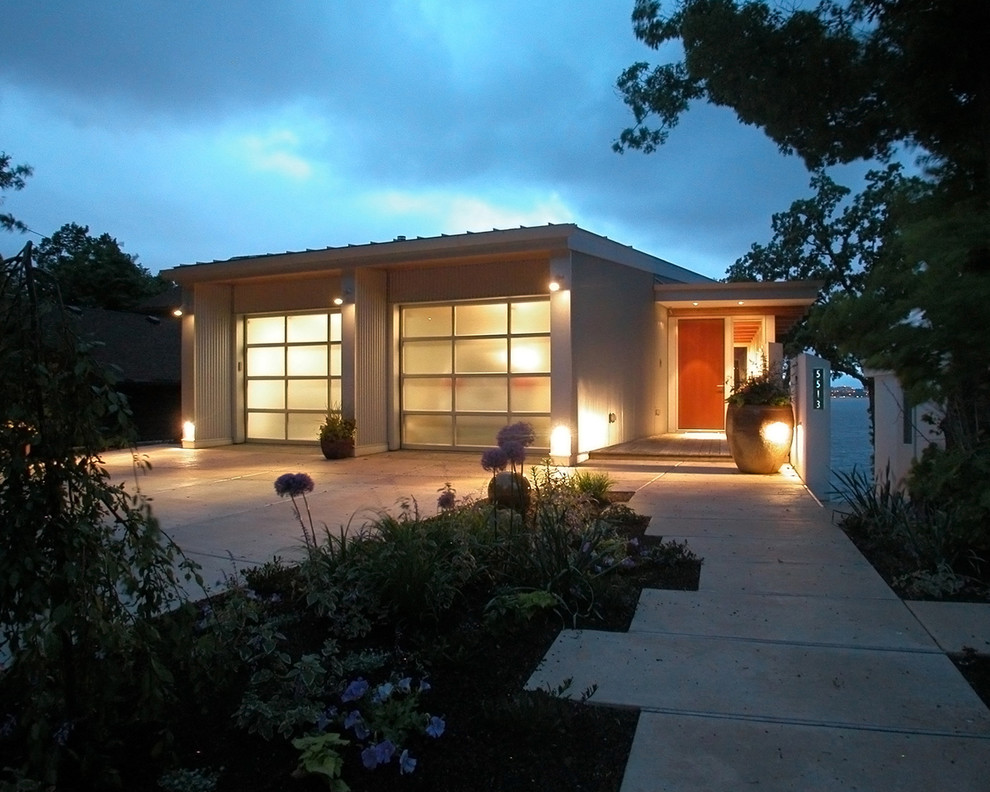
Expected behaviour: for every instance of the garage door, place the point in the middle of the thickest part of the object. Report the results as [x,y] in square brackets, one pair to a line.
[468,369]
[292,374]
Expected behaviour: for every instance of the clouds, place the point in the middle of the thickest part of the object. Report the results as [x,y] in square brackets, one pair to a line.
[200,130]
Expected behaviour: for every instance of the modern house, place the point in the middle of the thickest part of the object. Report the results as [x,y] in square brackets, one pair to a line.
[436,343]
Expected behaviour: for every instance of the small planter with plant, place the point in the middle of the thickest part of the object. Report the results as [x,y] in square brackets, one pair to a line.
[759,422]
[337,435]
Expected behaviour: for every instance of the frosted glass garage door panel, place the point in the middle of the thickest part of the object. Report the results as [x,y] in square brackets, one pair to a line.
[530,317]
[335,327]
[530,394]
[266,394]
[307,361]
[426,357]
[266,426]
[335,360]
[265,330]
[303,426]
[335,393]
[266,362]
[306,327]
[541,428]
[427,395]
[427,429]
[481,394]
[307,394]
[480,355]
[474,320]
[426,321]
[530,355]
[477,430]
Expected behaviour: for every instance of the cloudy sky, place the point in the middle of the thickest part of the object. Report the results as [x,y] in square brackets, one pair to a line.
[194,130]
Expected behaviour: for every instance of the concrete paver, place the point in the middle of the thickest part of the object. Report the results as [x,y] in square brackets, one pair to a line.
[794,667]
[955,626]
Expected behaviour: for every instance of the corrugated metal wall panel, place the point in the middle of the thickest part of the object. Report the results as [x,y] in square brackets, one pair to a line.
[470,281]
[372,358]
[214,365]
[310,294]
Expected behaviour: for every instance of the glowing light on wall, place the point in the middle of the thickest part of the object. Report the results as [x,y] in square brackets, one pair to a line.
[560,441]
[188,432]
[777,433]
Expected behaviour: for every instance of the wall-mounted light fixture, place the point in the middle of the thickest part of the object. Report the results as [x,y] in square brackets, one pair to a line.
[177,312]
[554,284]
[338,300]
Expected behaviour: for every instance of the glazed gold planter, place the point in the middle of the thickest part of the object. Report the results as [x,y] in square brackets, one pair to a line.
[759,436]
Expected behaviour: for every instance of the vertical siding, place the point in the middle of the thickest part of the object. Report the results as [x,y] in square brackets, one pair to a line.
[372,359]
[615,352]
[213,369]
[470,281]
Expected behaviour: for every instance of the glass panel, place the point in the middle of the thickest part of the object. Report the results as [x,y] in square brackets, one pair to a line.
[431,320]
[530,394]
[427,394]
[264,330]
[481,394]
[426,430]
[306,327]
[307,394]
[530,354]
[478,430]
[334,391]
[480,355]
[335,359]
[487,319]
[541,427]
[266,394]
[335,332]
[530,317]
[307,361]
[266,362]
[266,426]
[426,357]
[304,426]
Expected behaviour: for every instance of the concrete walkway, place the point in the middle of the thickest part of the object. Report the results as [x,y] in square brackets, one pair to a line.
[794,667]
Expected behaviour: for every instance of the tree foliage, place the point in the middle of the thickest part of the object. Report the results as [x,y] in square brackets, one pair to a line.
[84,565]
[12,177]
[834,239]
[94,271]
[835,83]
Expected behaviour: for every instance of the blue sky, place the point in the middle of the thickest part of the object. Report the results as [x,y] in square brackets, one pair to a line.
[194,131]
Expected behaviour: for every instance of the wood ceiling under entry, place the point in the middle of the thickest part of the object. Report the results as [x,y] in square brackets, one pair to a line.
[745,330]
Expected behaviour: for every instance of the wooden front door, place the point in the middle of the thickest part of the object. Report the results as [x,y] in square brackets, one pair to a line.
[701,374]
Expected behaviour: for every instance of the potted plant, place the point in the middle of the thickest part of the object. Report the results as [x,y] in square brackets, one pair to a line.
[759,422]
[337,435]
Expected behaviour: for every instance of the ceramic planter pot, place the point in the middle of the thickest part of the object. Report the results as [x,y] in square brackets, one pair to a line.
[337,449]
[510,490]
[759,436]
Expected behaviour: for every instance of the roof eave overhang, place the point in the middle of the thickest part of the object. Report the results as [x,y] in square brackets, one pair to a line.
[768,294]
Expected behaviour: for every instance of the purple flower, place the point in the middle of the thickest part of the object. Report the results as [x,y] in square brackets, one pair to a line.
[355,690]
[406,763]
[382,692]
[374,755]
[435,726]
[405,684]
[353,720]
[515,451]
[424,686]
[494,459]
[325,718]
[520,432]
[446,500]
[293,484]
[627,563]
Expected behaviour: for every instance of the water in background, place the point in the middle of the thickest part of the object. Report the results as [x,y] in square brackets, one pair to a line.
[851,436]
